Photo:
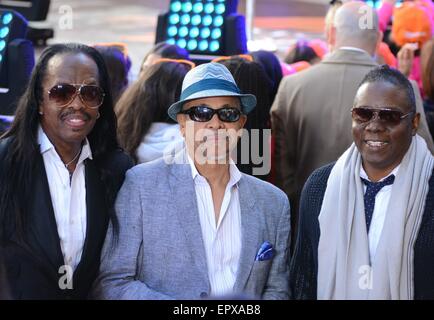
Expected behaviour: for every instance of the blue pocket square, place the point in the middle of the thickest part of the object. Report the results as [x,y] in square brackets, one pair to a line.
[265,252]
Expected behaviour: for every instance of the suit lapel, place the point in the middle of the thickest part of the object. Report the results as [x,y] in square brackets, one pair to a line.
[184,204]
[250,232]
[96,217]
[43,235]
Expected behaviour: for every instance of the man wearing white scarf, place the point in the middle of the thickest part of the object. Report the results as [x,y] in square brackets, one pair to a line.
[341,253]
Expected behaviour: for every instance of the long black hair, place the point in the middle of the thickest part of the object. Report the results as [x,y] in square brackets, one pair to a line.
[17,165]
[146,101]
[272,67]
[251,78]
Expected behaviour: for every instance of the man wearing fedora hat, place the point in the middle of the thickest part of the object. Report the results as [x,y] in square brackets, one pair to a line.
[192,226]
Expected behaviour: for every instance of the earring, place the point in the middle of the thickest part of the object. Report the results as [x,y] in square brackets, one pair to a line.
[98,115]
[40,112]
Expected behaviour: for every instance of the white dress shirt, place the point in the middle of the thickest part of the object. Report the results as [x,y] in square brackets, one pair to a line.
[222,241]
[379,215]
[68,197]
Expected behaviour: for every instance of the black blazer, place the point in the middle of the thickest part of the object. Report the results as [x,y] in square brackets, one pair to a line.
[32,268]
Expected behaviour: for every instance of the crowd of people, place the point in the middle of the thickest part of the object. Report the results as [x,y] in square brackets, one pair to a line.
[245,177]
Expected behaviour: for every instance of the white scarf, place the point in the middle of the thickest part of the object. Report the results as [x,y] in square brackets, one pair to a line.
[344,270]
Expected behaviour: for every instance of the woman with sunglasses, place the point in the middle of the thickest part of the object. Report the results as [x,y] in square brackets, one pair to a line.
[367,220]
[60,170]
[145,130]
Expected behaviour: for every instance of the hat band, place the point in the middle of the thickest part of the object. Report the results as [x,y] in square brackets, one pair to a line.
[209,84]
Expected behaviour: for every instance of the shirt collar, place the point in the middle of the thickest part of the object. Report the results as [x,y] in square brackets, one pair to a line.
[46,145]
[348,48]
[364,175]
[235,174]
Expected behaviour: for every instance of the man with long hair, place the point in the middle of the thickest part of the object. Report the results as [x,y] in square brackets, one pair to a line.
[60,170]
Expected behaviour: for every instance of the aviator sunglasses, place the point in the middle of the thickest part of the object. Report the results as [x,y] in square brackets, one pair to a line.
[387,116]
[63,94]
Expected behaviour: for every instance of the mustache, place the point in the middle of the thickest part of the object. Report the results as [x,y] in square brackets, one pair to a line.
[70,111]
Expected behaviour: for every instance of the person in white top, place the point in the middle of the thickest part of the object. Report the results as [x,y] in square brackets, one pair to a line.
[60,170]
[192,225]
[145,130]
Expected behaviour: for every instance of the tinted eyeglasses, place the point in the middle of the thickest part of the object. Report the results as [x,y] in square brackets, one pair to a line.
[205,114]
[387,116]
[63,94]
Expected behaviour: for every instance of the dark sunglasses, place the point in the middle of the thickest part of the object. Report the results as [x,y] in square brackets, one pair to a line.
[204,114]
[63,94]
[387,116]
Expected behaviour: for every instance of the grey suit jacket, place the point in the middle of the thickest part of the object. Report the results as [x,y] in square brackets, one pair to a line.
[159,252]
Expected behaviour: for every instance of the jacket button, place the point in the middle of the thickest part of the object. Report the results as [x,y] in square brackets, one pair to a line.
[203,294]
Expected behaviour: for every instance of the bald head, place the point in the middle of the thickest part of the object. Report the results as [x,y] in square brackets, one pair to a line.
[355,24]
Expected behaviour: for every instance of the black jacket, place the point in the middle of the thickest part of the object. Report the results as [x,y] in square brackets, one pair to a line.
[32,266]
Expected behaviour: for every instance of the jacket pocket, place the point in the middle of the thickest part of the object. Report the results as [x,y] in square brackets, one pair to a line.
[258,277]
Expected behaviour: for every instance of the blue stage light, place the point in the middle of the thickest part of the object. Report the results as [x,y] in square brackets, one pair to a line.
[207,20]
[214,46]
[198,7]
[7,18]
[192,45]
[175,6]
[209,8]
[185,19]
[218,21]
[377,3]
[171,41]
[216,33]
[203,45]
[220,8]
[196,20]
[172,31]
[194,32]
[203,26]
[205,33]
[174,18]
[182,43]
[186,7]
[4,32]
[183,32]
[13,26]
